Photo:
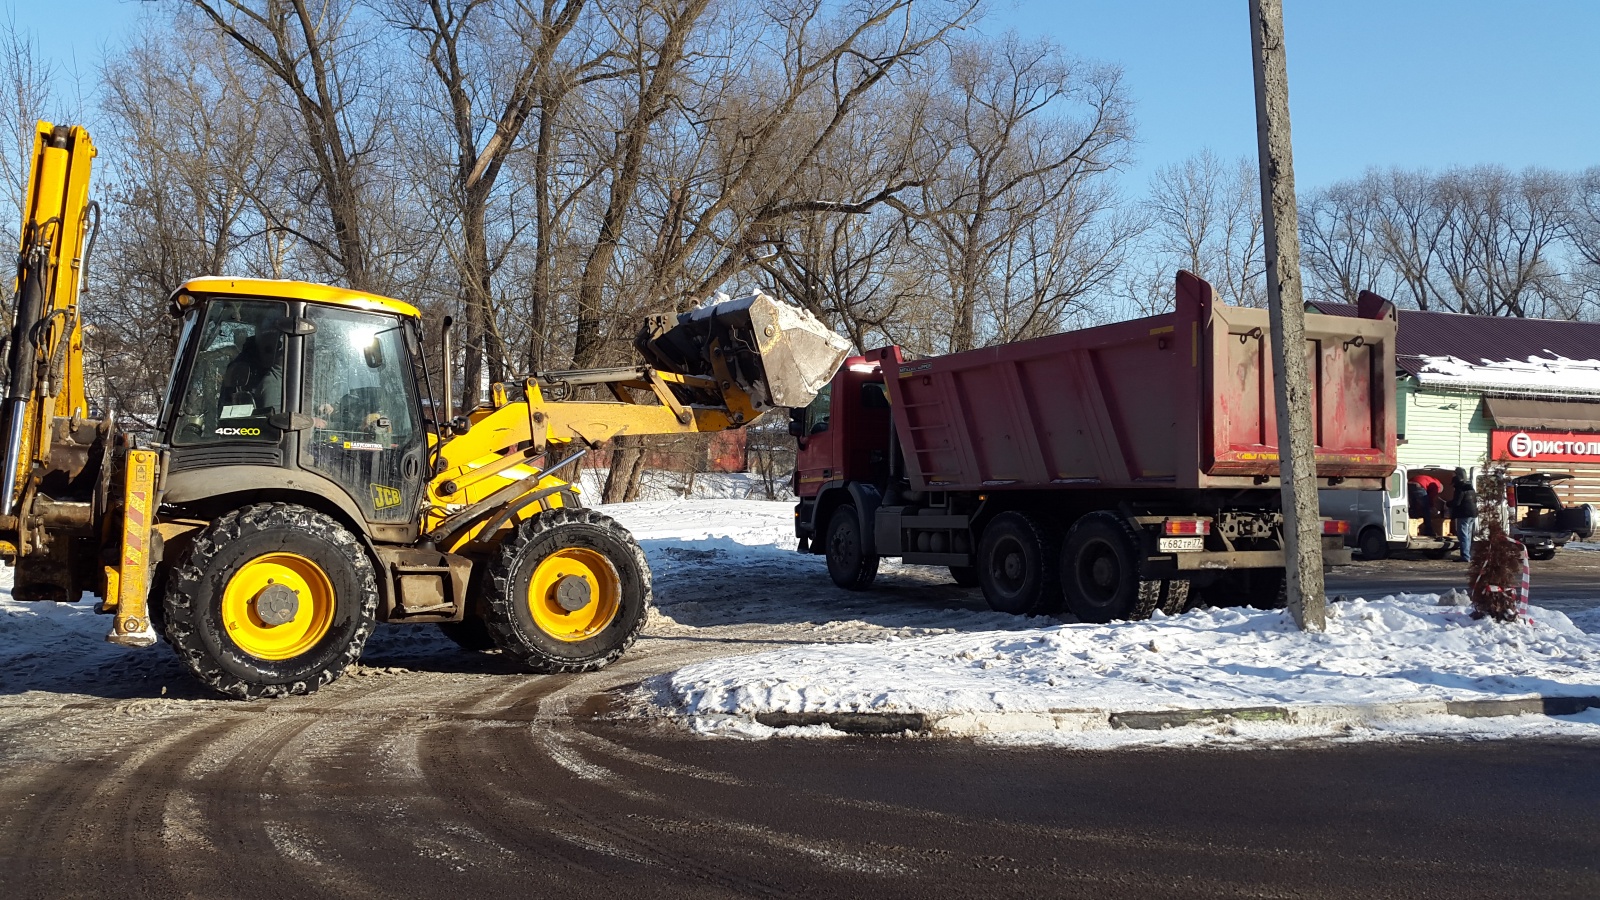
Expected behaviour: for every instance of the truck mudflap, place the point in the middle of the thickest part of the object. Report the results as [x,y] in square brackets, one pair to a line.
[777,353]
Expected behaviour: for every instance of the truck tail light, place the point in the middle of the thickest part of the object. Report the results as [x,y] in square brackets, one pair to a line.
[1186,526]
[1335,526]
[1511,495]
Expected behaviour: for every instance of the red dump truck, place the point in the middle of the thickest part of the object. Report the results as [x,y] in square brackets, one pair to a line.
[1119,469]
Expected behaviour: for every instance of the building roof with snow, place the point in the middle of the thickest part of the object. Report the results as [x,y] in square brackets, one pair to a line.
[1493,353]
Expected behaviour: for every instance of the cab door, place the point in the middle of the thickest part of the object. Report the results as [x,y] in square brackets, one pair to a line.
[359,392]
[1399,506]
[816,458]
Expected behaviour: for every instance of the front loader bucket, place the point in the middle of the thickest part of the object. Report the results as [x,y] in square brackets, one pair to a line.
[778,354]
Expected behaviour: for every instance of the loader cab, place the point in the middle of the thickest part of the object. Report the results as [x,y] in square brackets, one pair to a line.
[282,387]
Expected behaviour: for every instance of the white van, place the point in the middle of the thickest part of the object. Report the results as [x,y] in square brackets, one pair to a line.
[1399,518]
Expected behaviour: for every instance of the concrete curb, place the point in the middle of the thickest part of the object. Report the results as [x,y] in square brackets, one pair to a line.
[956,724]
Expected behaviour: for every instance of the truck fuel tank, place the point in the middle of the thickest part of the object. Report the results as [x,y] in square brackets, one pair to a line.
[776,353]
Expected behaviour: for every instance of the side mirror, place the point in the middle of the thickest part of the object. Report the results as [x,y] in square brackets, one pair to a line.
[373,354]
[797,422]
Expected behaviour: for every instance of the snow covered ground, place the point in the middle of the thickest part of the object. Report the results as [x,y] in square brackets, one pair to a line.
[742,624]
[956,661]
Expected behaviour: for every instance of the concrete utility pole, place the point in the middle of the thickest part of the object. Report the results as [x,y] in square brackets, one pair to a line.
[1302,523]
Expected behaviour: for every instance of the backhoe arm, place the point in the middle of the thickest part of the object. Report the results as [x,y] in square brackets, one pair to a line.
[44,348]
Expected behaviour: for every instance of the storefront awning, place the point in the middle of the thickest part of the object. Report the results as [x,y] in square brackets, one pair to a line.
[1547,415]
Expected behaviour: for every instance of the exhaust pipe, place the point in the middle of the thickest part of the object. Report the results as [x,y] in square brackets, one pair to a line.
[448,365]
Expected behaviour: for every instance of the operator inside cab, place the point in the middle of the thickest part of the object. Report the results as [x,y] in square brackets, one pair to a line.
[237,379]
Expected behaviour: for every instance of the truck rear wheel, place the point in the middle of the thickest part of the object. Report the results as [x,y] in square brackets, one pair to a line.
[1017,563]
[271,599]
[568,592]
[849,565]
[1373,544]
[1174,596]
[1100,572]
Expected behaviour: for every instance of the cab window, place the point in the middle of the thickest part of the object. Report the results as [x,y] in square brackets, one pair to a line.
[817,411]
[236,380]
[360,388]
[360,393]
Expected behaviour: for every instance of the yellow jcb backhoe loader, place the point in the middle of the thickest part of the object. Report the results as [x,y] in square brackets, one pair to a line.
[295,493]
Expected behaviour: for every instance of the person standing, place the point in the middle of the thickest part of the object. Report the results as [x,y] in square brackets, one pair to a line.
[1464,506]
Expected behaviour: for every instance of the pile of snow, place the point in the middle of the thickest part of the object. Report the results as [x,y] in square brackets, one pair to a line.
[1380,651]
[1555,373]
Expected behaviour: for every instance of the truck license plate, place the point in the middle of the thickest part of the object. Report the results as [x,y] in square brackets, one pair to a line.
[1177,544]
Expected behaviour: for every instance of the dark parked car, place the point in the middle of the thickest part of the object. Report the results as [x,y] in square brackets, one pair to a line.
[1539,520]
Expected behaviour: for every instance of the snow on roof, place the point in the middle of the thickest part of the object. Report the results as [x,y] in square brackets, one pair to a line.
[1491,341]
[1544,375]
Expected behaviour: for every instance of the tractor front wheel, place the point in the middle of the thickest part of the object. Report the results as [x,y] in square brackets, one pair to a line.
[271,599]
[568,591]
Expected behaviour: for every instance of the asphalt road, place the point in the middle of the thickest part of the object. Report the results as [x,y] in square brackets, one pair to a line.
[520,792]
[461,777]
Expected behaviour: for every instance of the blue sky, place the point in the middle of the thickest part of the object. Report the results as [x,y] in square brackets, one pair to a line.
[1410,83]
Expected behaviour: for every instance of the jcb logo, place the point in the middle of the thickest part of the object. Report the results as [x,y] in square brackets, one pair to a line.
[239,432]
[384,497]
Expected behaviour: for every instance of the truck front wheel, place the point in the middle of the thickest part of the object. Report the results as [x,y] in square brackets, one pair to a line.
[1017,564]
[849,565]
[1100,572]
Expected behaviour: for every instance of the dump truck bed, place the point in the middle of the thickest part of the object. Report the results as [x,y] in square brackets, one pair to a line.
[1182,400]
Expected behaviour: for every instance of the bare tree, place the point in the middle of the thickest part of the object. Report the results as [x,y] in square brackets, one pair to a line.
[194,134]
[1483,240]
[1499,239]
[457,39]
[1204,215]
[313,53]
[1022,132]
[1339,242]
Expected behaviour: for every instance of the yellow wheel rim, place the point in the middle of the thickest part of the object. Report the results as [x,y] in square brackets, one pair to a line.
[568,576]
[242,606]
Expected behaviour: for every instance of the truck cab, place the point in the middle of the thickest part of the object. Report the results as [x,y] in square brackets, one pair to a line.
[843,440]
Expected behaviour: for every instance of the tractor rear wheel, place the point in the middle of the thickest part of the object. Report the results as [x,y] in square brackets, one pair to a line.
[568,591]
[271,599]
